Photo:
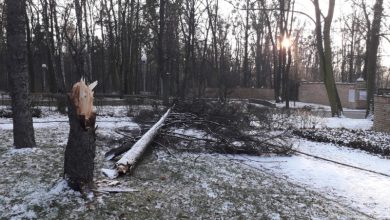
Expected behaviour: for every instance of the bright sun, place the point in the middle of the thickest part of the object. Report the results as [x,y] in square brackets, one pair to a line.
[286,42]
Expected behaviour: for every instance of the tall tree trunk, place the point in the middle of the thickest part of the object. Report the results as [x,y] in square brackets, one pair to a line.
[372,56]
[246,36]
[48,47]
[29,55]
[23,131]
[276,80]
[368,39]
[130,76]
[113,70]
[120,48]
[325,55]
[160,51]
[60,63]
[189,62]
[202,81]
[352,52]
[80,45]
[103,48]
[88,44]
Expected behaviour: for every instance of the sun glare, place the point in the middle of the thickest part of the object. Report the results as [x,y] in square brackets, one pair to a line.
[286,42]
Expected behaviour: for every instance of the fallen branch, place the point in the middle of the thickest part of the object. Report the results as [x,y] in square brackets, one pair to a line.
[129,160]
[107,190]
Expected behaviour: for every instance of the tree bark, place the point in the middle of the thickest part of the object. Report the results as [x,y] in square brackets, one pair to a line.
[246,72]
[29,55]
[372,56]
[325,53]
[23,131]
[60,77]
[160,51]
[81,44]
[80,149]
[88,44]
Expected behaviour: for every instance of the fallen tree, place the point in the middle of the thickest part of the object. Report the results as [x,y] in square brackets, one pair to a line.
[211,127]
[130,158]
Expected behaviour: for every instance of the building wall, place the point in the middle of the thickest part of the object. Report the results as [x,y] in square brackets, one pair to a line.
[243,93]
[381,113]
[351,95]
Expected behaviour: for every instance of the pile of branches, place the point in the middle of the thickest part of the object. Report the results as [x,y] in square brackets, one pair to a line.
[204,126]
[370,141]
[221,127]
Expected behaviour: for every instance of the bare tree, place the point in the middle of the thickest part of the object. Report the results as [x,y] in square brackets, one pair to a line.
[372,54]
[245,64]
[325,53]
[161,53]
[17,69]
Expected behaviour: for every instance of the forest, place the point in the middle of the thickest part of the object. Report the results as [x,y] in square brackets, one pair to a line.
[133,46]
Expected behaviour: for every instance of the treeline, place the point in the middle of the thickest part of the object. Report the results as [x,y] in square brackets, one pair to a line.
[180,47]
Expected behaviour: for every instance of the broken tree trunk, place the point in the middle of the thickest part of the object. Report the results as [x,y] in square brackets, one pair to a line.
[129,160]
[80,150]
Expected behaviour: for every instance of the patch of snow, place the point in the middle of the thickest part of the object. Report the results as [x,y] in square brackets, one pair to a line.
[158,205]
[303,105]
[238,143]
[112,110]
[227,205]
[22,151]
[345,155]
[59,187]
[109,122]
[19,211]
[191,132]
[209,190]
[364,124]
[110,173]
[362,190]
[274,216]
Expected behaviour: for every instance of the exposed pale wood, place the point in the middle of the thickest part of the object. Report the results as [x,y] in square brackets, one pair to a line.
[82,98]
[130,158]
[128,161]
[107,190]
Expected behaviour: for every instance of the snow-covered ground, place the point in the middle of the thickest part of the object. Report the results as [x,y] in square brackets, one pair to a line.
[195,185]
[361,190]
[302,105]
[301,119]
[363,124]
[312,106]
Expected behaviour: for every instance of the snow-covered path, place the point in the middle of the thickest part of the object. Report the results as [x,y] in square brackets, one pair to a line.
[361,190]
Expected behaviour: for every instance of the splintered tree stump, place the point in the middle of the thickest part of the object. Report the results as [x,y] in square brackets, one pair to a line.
[80,149]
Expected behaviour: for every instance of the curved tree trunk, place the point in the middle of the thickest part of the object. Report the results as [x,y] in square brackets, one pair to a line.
[17,69]
[325,53]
